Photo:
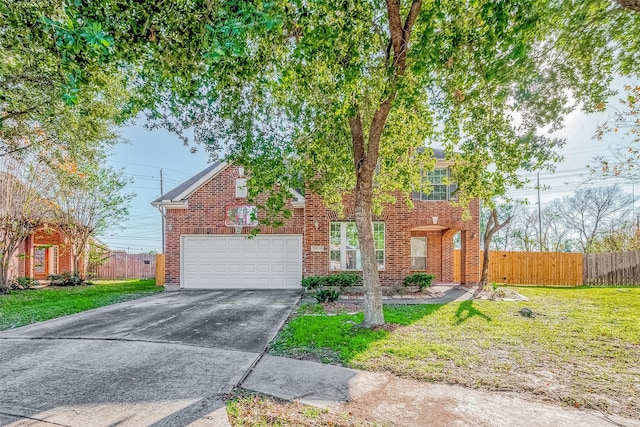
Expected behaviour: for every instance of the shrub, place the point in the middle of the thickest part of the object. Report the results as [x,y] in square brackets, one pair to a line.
[421,280]
[327,295]
[343,280]
[20,283]
[67,278]
[311,282]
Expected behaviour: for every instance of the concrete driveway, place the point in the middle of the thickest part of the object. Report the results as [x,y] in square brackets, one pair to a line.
[161,360]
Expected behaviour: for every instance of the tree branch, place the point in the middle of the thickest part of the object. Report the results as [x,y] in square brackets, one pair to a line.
[357,137]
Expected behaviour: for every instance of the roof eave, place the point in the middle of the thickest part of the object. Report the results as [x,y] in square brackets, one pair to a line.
[173,204]
[203,180]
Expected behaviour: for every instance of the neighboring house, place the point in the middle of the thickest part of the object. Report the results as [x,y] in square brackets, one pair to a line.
[44,252]
[207,219]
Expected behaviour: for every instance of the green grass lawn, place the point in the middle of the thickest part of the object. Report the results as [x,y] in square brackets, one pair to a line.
[582,348]
[24,307]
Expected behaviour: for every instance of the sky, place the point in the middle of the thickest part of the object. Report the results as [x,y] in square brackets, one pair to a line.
[147,152]
[141,160]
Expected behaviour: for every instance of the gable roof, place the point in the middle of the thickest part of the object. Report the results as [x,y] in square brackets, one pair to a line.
[179,193]
[177,197]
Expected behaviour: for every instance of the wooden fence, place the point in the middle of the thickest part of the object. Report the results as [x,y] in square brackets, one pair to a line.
[160,279]
[559,268]
[121,265]
[612,269]
[530,268]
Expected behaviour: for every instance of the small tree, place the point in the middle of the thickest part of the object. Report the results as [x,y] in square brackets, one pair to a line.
[23,206]
[492,227]
[625,238]
[89,200]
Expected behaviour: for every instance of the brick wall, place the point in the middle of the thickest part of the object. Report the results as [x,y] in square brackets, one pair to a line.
[206,215]
[399,219]
[43,236]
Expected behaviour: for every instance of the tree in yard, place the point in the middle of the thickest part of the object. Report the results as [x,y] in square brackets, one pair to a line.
[626,121]
[23,207]
[592,212]
[89,199]
[40,112]
[341,96]
[625,238]
[492,226]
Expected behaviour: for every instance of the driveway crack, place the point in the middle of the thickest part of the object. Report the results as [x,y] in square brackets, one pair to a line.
[26,417]
[119,339]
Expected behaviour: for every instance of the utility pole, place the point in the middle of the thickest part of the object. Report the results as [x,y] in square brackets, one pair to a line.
[539,214]
[162,213]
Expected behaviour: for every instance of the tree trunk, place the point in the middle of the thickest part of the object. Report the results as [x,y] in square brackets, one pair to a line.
[373,314]
[366,152]
[630,4]
[493,226]
[4,274]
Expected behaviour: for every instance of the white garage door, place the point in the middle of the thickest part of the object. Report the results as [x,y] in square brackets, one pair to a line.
[266,261]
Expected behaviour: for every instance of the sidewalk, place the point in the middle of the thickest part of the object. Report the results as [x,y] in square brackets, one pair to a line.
[401,402]
[437,294]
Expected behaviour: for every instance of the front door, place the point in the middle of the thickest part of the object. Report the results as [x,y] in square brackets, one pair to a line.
[45,262]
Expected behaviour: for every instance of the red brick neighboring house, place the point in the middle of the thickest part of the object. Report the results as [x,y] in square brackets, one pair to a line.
[208,216]
[44,252]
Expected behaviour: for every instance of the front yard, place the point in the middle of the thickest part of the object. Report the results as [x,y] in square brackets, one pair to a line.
[24,307]
[582,347]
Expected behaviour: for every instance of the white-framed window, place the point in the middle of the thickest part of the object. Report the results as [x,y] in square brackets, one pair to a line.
[418,253]
[344,253]
[241,187]
[435,180]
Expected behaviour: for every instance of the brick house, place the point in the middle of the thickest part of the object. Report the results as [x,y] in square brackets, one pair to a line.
[44,252]
[208,216]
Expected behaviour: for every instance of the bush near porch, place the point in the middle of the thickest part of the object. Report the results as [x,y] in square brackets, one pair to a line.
[23,307]
[581,348]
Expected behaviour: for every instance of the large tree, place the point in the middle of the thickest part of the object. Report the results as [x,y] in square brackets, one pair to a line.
[42,110]
[340,95]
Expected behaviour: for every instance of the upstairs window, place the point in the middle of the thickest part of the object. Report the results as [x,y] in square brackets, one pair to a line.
[436,180]
[241,187]
[345,247]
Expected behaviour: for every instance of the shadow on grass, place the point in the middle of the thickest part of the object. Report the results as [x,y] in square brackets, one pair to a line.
[339,338]
[466,311]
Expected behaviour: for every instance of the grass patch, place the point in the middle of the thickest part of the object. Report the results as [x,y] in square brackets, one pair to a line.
[24,307]
[251,409]
[582,348]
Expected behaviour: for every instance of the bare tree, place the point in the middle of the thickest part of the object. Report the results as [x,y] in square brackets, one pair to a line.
[591,212]
[23,206]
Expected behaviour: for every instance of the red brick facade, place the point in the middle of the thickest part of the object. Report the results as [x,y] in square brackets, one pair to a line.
[400,224]
[205,214]
[205,211]
[56,254]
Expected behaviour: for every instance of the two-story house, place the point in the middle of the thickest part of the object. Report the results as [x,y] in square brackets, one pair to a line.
[208,217]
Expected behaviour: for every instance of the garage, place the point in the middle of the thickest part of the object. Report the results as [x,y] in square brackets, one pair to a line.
[231,261]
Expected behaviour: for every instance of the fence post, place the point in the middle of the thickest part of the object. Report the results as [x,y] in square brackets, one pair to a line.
[160,270]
